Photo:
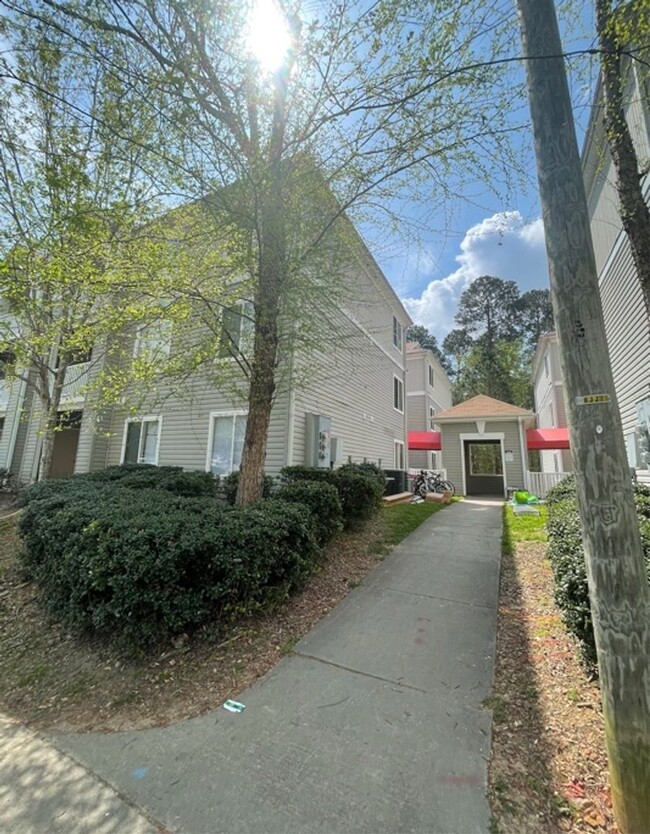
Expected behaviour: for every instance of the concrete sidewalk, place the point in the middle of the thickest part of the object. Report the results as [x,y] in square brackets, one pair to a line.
[43,791]
[375,724]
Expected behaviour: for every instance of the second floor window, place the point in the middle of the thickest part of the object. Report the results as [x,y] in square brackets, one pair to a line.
[432,414]
[154,340]
[431,379]
[237,330]
[398,394]
[397,333]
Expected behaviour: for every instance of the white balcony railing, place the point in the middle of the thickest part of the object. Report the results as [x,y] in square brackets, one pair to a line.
[539,483]
[76,380]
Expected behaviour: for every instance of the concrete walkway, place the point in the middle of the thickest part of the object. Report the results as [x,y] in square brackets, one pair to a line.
[43,791]
[375,724]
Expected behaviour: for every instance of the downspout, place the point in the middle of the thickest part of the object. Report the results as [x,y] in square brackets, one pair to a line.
[524,451]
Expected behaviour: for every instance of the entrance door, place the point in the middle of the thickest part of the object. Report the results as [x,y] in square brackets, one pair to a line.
[66,440]
[483,467]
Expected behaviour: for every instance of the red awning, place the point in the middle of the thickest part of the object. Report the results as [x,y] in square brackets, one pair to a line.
[547,439]
[424,441]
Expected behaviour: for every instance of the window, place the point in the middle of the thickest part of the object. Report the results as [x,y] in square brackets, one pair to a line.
[399,455]
[226,442]
[431,375]
[397,333]
[432,414]
[398,394]
[6,359]
[154,340]
[237,330]
[551,412]
[141,440]
[546,365]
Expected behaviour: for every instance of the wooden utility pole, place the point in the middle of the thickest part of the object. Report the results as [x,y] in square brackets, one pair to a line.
[618,587]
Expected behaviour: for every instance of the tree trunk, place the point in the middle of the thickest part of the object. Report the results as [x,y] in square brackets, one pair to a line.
[634,211]
[618,587]
[50,404]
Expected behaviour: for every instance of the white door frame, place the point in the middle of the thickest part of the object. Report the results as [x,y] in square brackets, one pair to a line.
[485,436]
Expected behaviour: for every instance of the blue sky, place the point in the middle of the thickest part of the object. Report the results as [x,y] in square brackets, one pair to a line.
[489,236]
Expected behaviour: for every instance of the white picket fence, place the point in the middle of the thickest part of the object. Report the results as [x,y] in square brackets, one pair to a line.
[539,483]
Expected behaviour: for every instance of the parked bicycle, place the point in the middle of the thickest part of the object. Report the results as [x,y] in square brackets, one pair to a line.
[431,482]
[437,484]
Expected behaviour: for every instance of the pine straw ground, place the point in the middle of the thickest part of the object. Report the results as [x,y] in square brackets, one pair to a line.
[548,770]
[56,680]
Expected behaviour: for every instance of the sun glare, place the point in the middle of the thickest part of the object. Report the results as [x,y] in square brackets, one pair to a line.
[268,35]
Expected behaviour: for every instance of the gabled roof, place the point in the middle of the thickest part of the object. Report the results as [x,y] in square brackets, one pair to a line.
[482,407]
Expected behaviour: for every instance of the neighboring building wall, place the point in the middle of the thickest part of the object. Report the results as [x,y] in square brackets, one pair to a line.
[453,452]
[352,383]
[549,400]
[422,397]
[626,324]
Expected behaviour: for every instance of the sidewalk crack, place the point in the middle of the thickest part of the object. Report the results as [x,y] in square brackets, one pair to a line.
[359,672]
[444,599]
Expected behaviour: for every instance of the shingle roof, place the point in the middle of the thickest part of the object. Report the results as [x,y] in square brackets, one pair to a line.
[482,406]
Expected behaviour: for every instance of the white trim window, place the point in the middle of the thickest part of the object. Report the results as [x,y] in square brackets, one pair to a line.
[432,415]
[398,333]
[153,341]
[431,376]
[237,330]
[225,441]
[398,394]
[141,442]
[399,461]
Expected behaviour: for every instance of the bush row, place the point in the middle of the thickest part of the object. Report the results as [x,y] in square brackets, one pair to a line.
[360,486]
[143,552]
[566,554]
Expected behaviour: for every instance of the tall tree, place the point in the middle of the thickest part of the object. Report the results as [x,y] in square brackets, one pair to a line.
[488,308]
[71,203]
[418,333]
[535,316]
[362,94]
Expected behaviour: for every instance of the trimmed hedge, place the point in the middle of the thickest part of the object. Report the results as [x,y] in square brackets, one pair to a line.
[360,486]
[140,565]
[172,479]
[566,554]
[323,501]
[229,484]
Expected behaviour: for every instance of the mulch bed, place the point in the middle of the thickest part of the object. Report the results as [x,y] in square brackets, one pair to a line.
[548,770]
[54,680]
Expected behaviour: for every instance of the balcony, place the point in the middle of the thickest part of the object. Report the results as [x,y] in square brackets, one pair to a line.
[76,380]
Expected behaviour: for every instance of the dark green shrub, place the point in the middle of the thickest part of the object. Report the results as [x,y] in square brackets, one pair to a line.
[566,554]
[359,486]
[291,474]
[560,492]
[142,564]
[360,494]
[229,483]
[369,469]
[323,501]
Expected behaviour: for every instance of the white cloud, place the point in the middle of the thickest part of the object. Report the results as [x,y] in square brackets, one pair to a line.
[502,245]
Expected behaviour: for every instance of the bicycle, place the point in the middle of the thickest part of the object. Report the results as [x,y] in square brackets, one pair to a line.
[436,484]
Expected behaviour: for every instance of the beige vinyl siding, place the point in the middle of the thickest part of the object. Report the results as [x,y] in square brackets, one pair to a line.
[452,453]
[627,333]
[351,383]
[185,428]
